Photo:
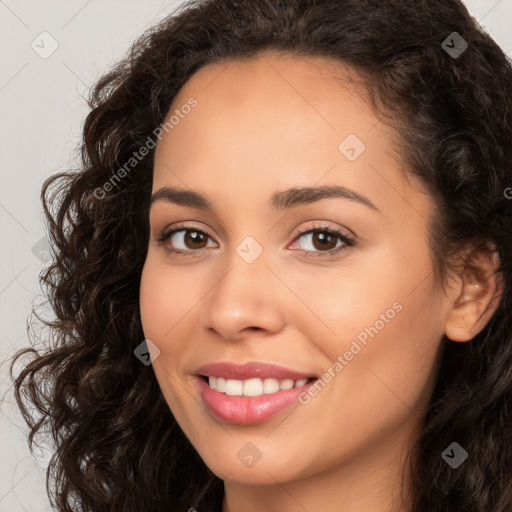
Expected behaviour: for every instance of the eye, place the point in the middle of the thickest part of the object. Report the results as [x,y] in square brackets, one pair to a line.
[323,241]
[188,240]
[319,241]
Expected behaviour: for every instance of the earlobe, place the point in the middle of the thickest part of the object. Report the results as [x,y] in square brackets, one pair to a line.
[478,298]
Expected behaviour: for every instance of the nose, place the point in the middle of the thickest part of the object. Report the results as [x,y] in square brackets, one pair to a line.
[245,298]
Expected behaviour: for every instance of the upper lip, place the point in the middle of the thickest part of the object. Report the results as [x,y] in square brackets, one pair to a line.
[252,370]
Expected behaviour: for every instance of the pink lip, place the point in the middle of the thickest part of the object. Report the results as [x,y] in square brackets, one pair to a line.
[250,371]
[247,410]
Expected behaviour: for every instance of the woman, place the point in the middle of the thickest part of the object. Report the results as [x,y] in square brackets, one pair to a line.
[282,277]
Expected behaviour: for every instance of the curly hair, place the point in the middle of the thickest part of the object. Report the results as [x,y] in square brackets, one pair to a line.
[118,446]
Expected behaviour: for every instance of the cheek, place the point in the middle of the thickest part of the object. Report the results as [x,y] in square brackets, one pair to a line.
[384,321]
[369,292]
[153,299]
[165,301]
[385,372]
[166,298]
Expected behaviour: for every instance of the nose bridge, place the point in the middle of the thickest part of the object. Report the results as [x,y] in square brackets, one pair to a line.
[244,296]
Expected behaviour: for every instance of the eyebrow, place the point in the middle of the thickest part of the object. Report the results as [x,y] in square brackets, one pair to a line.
[286,199]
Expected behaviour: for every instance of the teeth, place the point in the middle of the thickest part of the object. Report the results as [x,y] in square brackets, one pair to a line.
[220,385]
[234,387]
[253,387]
[286,384]
[270,386]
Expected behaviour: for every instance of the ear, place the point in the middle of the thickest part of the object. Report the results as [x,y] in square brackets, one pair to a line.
[477,295]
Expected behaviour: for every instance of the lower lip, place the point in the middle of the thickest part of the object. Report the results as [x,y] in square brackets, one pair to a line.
[248,410]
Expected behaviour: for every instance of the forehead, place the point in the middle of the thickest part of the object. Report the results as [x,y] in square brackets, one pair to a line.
[277,120]
[285,72]
[273,90]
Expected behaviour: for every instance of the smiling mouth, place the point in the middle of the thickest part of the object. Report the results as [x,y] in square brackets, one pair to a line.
[254,386]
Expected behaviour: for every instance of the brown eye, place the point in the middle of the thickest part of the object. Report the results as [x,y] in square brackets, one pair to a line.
[319,240]
[322,241]
[194,239]
[184,241]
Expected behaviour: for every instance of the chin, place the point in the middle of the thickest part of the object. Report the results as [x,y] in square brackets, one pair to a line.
[242,462]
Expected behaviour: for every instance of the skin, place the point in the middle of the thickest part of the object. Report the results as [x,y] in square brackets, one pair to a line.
[264,126]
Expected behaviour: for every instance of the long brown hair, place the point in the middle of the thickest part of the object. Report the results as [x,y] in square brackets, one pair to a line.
[118,446]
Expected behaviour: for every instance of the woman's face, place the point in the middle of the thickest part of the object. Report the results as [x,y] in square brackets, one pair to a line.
[363,318]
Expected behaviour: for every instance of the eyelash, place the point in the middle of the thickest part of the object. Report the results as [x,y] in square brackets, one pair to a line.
[347,241]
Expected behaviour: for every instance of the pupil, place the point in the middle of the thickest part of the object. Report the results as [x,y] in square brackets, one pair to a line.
[324,237]
[195,237]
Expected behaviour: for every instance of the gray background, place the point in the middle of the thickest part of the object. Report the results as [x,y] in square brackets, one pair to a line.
[42,102]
